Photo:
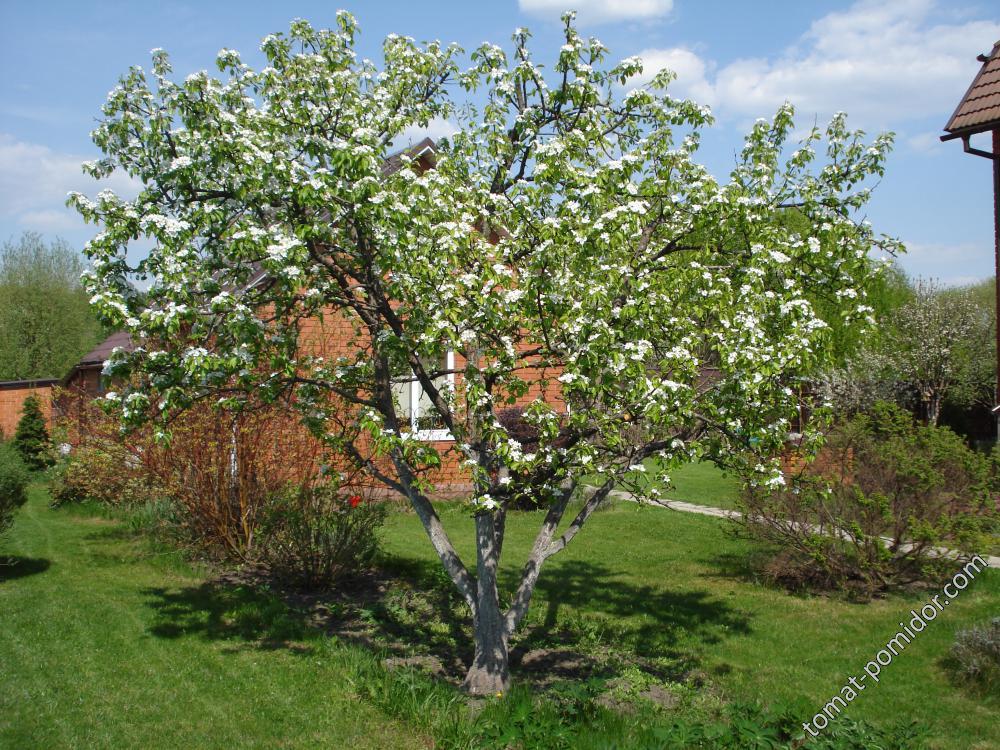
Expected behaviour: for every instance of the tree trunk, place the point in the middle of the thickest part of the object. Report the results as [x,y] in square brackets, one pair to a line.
[490,670]
[933,409]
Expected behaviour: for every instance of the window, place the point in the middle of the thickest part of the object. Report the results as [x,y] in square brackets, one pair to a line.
[419,417]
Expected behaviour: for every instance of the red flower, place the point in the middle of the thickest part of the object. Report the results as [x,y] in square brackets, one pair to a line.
[354,500]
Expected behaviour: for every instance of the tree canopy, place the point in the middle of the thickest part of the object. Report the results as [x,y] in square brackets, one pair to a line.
[565,236]
[46,322]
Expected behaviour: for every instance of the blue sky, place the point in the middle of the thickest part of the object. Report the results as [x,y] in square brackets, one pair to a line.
[900,65]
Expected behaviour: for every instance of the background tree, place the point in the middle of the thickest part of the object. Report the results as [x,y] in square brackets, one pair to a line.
[565,237]
[938,345]
[881,294]
[46,322]
[32,437]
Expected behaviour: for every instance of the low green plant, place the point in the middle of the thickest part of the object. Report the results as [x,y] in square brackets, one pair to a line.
[13,484]
[975,655]
[571,716]
[31,439]
[313,536]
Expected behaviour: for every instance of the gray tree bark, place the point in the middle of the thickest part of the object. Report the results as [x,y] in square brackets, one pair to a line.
[490,670]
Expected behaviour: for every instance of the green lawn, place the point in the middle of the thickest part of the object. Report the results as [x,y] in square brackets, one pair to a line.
[674,587]
[702,484]
[106,644]
[109,642]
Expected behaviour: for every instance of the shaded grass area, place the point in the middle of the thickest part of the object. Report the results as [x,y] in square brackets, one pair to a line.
[107,644]
[675,594]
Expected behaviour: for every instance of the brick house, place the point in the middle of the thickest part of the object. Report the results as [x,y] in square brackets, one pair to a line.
[330,336]
[85,377]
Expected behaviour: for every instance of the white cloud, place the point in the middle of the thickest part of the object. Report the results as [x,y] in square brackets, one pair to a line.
[52,220]
[34,181]
[691,72]
[436,129]
[951,264]
[881,62]
[599,11]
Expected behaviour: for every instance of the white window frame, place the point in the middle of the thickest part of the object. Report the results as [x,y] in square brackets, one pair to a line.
[415,393]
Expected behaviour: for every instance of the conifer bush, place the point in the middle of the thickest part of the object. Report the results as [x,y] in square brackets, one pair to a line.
[32,436]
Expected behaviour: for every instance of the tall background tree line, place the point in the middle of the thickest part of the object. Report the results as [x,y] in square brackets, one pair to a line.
[46,322]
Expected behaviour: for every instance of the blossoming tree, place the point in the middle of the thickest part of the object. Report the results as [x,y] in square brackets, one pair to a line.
[565,228]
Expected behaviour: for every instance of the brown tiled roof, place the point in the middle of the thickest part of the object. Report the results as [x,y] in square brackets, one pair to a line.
[979,109]
[393,162]
[102,351]
[423,152]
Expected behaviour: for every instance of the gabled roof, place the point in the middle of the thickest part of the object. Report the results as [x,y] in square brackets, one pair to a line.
[979,109]
[102,351]
[424,149]
[95,358]
[423,152]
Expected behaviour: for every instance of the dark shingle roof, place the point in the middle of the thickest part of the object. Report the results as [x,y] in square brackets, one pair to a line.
[102,351]
[33,383]
[423,152]
[979,109]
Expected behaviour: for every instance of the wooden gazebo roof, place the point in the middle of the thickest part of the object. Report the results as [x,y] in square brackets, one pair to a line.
[979,109]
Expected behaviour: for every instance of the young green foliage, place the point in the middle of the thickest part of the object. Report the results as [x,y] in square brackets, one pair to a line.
[46,323]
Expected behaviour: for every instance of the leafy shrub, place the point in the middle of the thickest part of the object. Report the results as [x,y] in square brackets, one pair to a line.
[218,470]
[105,471]
[314,536]
[13,483]
[873,513]
[32,437]
[976,653]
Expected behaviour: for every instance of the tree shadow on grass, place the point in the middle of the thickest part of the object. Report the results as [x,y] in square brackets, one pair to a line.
[743,566]
[641,620]
[12,568]
[222,611]
[594,621]
[397,610]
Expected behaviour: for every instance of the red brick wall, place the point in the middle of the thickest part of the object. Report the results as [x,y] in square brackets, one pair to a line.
[11,402]
[334,336]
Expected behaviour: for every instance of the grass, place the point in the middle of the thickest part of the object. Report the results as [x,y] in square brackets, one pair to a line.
[702,484]
[107,644]
[675,589]
[110,642]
